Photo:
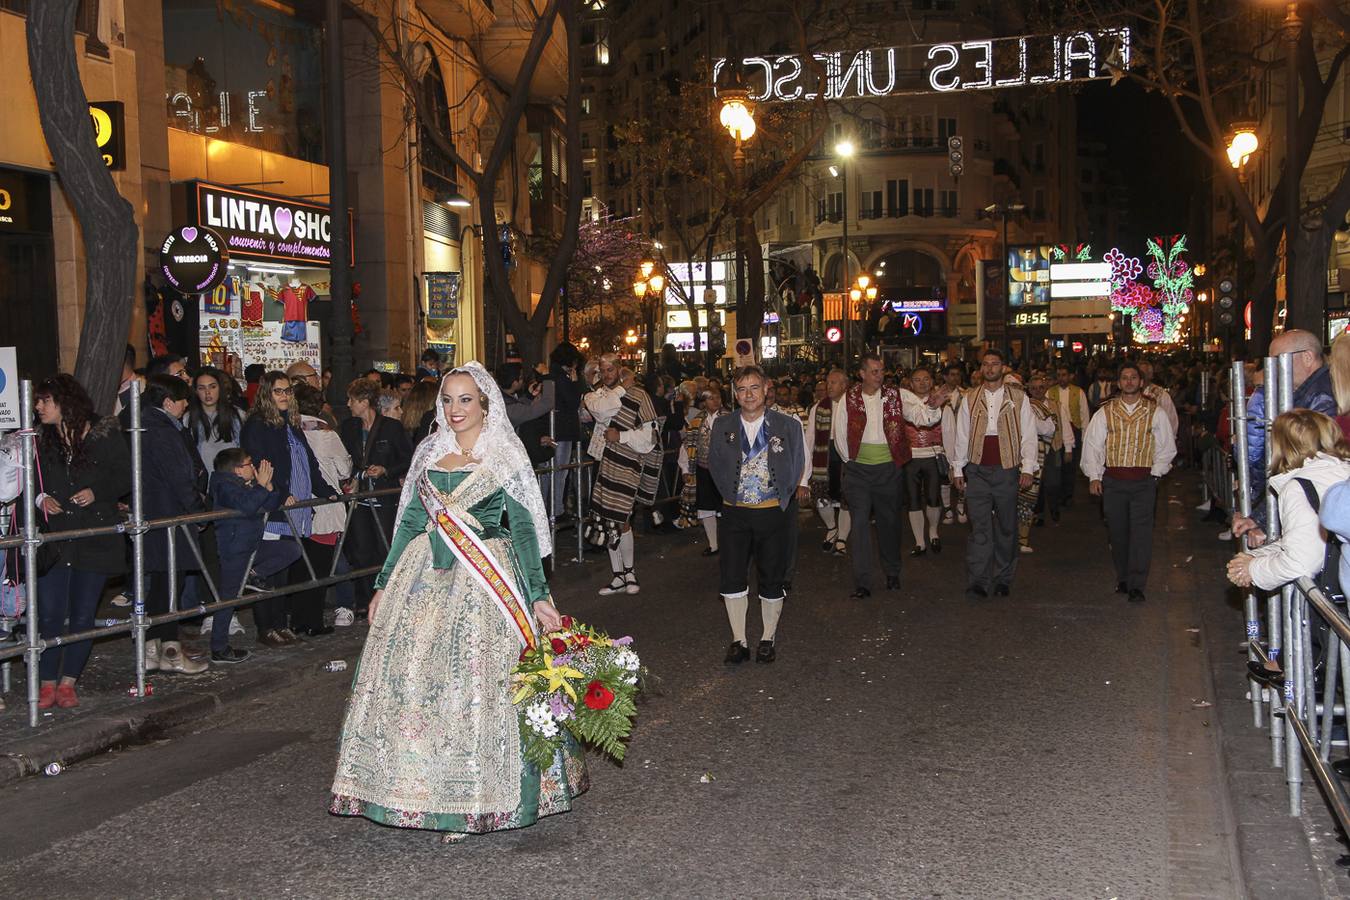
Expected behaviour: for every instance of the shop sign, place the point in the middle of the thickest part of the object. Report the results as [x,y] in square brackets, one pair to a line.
[9,388]
[266,227]
[110,133]
[193,259]
[13,201]
[918,306]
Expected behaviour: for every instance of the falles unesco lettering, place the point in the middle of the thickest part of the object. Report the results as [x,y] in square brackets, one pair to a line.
[269,228]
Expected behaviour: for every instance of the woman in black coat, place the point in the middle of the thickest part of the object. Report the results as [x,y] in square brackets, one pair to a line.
[173,483]
[273,433]
[83,468]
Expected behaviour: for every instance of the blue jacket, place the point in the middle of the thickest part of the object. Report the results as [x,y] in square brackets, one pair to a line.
[1314,394]
[787,459]
[238,537]
[262,441]
[1335,518]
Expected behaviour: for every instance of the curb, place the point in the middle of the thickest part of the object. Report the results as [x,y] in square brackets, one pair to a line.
[97,734]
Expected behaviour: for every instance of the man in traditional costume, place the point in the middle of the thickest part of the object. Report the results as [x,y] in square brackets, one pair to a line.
[627,474]
[1127,447]
[1159,395]
[757,457]
[1048,455]
[1070,403]
[924,472]
[827,466]
[953,502]
[870,438]
[995,456]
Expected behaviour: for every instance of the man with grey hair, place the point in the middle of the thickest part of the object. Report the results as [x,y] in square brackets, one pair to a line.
[1312,390]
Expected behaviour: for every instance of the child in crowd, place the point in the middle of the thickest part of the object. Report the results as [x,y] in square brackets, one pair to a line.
[236,484]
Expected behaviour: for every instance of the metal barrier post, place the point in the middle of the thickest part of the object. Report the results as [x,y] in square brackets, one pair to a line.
[552,480]
[1237,417]
[1274,602]
[578,475]
[1295,664]
[137,542]
[31,540]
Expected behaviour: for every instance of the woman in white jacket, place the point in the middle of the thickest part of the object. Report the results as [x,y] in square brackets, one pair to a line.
[1307,447]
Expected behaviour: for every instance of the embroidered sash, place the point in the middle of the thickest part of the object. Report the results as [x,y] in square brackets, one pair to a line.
[478,561]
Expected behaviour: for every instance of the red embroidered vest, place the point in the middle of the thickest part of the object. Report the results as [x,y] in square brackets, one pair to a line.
[892,423]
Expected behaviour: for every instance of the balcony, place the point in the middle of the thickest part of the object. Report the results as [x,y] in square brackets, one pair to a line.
[504,44]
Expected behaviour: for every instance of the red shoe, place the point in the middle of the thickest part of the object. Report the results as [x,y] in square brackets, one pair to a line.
[46,696]
[65,696]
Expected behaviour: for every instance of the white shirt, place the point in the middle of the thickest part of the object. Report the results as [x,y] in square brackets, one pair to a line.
[603,404]
[1026,424]
[1066,414]
[914,409]
[1160,396]
[752,430]
[1094,444]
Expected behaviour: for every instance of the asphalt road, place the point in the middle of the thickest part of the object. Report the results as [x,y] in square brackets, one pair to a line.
[919,744]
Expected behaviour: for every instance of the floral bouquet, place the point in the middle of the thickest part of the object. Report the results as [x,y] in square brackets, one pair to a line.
[579,679]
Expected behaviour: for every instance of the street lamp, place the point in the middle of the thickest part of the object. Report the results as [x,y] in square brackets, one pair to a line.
[845,151]
[650,280]
[1293,30]
[1242,143]
[1003,209]
[738,118]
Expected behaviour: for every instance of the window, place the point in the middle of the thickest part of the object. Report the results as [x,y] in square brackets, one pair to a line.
[947,200]
[585,106]
[869,205]
[946,129]
[1038,202]
[923,201]
[897,197]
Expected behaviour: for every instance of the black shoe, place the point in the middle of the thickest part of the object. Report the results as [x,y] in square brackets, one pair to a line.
[976,591]
[861,593]
[229,655]
[1039,522]
[917,551]
[766,652]
[708,551]
[1341,767]
[892,582]
[1001,590]
[317,632]
[737,653]
[1136,596]
[1269,677]
[935,545]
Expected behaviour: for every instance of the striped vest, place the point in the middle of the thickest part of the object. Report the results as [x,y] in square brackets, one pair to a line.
[1129,434]
[1009,424]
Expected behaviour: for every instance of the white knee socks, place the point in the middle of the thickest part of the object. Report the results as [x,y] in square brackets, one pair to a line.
[769,610]
[845,524]
[737,604]
[946,494]
[826,513]
[616,562]
[710,529]
[916,526]
[934,514]
[626,549]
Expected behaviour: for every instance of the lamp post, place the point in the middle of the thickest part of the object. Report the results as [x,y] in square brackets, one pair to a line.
[1242,143]
[845,150]
[738,118]
[1293,29]
[650,280]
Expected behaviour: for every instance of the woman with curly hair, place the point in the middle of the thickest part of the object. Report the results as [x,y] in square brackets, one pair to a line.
[84,467]
[419,411]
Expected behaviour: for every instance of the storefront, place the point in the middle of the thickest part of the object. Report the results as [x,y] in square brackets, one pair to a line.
[28,307]
[910,330]
[274,306]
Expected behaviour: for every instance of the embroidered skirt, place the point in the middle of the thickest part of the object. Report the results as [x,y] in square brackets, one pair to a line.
[431,739]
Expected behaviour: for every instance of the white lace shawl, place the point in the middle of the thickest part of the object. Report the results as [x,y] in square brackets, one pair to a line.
[503,463]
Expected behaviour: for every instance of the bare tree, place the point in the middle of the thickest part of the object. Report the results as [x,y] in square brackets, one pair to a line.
[107,224]
[509,103]
[1208,58]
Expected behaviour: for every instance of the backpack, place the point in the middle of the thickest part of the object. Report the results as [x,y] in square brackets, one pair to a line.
[1330,578]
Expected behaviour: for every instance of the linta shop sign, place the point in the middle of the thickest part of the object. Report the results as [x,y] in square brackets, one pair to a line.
[193,259]
[266,227]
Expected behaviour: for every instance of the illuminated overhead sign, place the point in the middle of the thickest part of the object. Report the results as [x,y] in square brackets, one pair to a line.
[939,68]
[110,133]
[1080,279]
[266,227]
[918,306]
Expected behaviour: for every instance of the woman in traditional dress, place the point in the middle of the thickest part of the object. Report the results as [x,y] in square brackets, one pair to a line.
[431,738]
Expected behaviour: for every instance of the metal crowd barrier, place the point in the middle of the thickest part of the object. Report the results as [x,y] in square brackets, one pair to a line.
[1301,723]
[137,526]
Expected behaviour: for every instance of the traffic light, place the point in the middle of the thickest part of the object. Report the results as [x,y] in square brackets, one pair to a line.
[1225,302]
[956,155]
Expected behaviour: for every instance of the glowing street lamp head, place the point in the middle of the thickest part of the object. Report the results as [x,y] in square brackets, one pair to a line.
[844,149]
[855,295]
[639,289]
[1242,143]
[864,280]
[737,115]
[872,292]
[645,267]
[657,282]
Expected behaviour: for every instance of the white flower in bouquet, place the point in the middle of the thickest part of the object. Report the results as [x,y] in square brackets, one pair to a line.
[541,719]
[627,659]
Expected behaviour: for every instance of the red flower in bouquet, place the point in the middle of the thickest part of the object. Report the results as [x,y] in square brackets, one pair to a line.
[558,645]
[598,696]
[567,622]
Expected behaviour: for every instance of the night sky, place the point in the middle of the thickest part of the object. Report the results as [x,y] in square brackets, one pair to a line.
[1165,175]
